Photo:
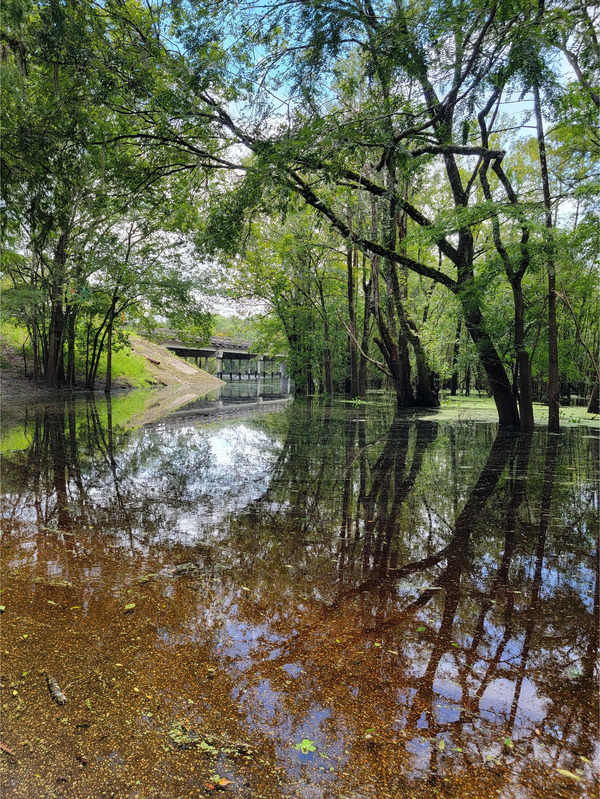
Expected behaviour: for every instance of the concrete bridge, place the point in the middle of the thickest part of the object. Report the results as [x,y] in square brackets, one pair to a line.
[225,357]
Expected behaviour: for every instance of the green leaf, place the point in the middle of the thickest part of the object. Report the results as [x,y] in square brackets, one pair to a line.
[421,629]
[305,746]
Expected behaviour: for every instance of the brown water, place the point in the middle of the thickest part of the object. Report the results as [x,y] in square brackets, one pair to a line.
[378,607]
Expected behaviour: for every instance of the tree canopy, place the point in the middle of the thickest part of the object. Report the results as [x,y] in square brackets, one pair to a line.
[410,187]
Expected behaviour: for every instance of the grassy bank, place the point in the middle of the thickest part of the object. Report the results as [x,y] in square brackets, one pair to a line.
[129,369]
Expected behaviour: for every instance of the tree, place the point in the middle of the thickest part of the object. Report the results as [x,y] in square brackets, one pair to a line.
[427,126]
[67,194]
[362,106]
[296,269]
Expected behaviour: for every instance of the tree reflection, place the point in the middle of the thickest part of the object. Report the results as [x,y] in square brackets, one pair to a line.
[483,591]
[418,598]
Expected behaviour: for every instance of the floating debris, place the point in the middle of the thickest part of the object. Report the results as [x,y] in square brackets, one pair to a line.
[191,568]
[55,691]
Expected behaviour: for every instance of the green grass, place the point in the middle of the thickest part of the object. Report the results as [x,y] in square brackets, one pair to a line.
[127,366]
[12,335]
[483,409]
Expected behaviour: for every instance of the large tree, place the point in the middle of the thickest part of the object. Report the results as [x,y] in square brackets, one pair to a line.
[70,200]
[427,75]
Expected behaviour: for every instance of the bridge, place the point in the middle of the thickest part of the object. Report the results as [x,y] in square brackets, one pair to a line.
[224,357]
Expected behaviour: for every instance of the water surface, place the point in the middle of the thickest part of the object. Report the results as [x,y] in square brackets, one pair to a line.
[307,600]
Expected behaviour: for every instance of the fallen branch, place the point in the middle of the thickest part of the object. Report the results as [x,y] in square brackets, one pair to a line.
[379,364]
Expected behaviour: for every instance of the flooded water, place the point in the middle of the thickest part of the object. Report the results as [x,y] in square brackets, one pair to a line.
[303,601]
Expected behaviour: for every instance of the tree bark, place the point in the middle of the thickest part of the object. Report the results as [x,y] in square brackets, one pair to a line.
[108,384]
[364,344]
[455,354]
[53,364]
[71,348]
[327,357]
[500,387]
[351,254]
[523,360]
[594,403]
[553,377]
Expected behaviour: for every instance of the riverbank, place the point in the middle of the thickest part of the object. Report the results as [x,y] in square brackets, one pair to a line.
[162,369]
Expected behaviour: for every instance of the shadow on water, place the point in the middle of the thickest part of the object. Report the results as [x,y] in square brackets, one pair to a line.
[323,601]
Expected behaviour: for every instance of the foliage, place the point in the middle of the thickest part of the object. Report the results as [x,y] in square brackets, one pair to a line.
[78,255]
[305,746]
[356,170]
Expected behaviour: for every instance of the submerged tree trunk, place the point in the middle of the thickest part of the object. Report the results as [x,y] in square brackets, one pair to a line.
[364,344]
[327,355]
[71,349]
[504,398]
[54,360]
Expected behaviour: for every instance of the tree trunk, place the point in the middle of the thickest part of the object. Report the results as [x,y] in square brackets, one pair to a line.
[424,394]
[594,403]
[553,378]
[364,344]
[425,397]
[327,357]
[108,383]
[500,387]
[71,349]
[351,255]
[55,339]
[455,354]
[54,361]
[34,335]
[523,361]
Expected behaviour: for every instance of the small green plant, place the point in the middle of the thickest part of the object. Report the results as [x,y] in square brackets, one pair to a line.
[306,745]
[181,736]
